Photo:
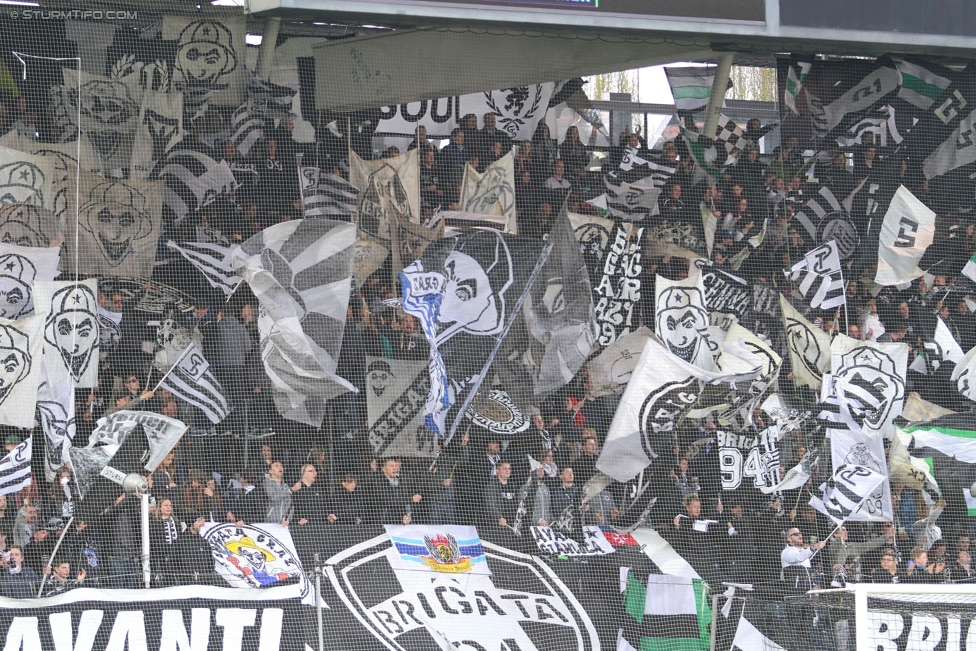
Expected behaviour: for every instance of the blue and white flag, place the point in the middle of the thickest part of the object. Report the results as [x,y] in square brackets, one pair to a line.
[437,549]
[466,292]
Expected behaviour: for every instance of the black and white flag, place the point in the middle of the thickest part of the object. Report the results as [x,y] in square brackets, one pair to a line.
[265,104]
[559,311]
[191,380]
[328,195]
[209,59]
[823,218]
[466,292]
[808,347]
[662,391]
[862,394]
[301,273]
[20,267]
[820,278]
[846,491]
[24,178]
[56,408]
[614,256]
[212,260]
[640,171]
[682,320]
[396,393]
[193,180]
[907,232]
[15,468]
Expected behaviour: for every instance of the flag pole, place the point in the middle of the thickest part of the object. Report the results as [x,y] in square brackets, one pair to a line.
[236,287]
[301,180]
[50,560]
[175,364]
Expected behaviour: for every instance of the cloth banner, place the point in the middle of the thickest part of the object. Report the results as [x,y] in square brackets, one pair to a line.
[209,60]
[56,408]
[389,191]
[118,228]
[556,543]
[212,260]
[193,180]
[301,273]
[612,253]
[191,380]
[396,393]
[25,178]
[906,233]
[610,371]
[437,549]
[257,556]
[691,87]
[491,192]
[21,364]
[808,346]
[466,292]
[71,336]
[20,267]
[178,617]
[847,490]
[682,320]
[964,375]
[15,468]
[820,278]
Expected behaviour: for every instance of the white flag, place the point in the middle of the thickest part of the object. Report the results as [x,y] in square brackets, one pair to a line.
[21,361]
[907,231]
[682,320]
[191,380]
[15,468]
[808,345]
[846,491]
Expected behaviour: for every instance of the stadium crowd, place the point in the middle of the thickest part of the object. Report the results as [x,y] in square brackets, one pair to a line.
[258,467]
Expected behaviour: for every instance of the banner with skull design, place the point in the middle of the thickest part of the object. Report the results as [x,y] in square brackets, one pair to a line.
[396,392]
[24,178]
[808,346]
[103,112]
[559,311]
[663,389]
[863,392]
[301,273]
[209,59]
[21,350]
[63,162]
[71,336]
[491,192]
[466,292]
[20,267]
[682,320]
[118,228]
[29,226]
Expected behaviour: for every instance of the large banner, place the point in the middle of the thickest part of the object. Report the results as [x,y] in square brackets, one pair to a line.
[180,617]
[521,605]
[517,112]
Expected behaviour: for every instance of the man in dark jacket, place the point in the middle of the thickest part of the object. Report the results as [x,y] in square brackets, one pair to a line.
[391,500]
[309,501]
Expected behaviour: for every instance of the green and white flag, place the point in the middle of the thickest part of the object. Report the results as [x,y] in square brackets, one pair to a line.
[919,87]
[969,271]
[691,87]
[670,613]
[952,435]
[794,82]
